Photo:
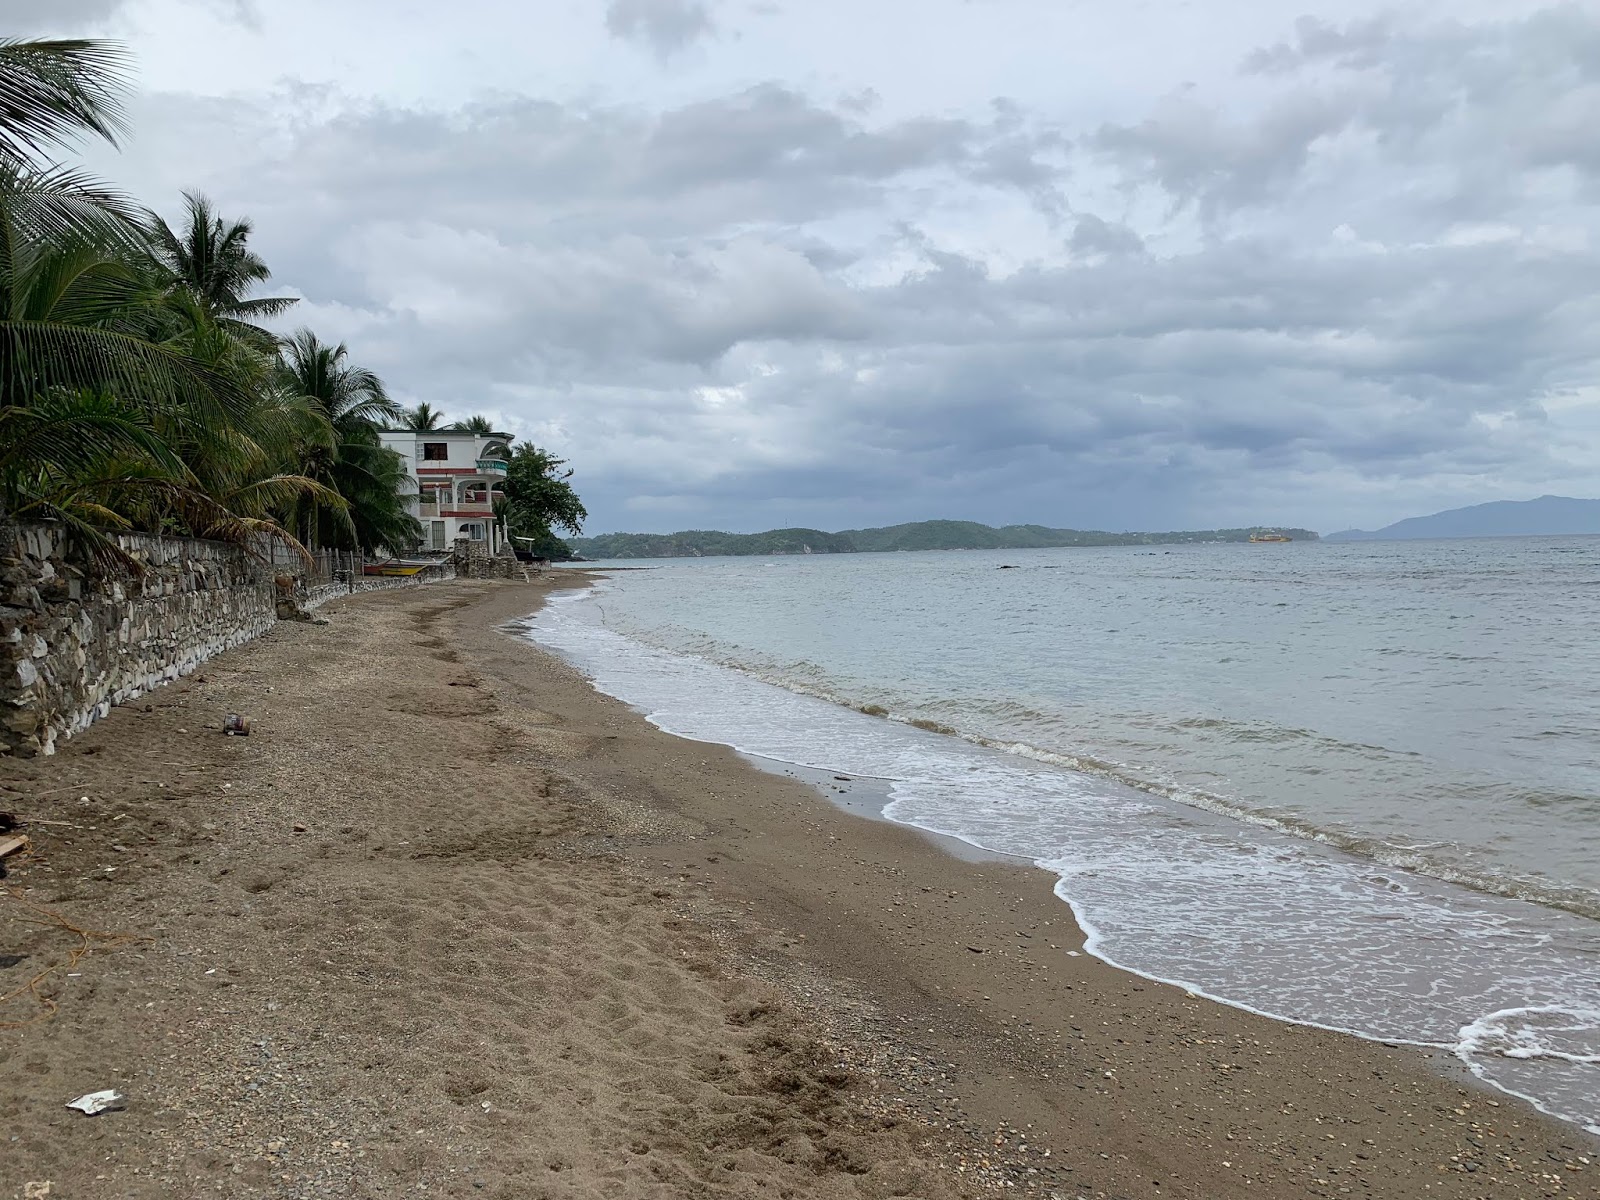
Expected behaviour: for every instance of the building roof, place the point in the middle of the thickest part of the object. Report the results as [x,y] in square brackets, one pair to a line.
[437,433]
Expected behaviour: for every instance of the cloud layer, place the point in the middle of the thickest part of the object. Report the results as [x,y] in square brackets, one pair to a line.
[665,26]
[1352,280]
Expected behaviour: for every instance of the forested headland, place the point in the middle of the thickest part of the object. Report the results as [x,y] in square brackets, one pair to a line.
[917,535]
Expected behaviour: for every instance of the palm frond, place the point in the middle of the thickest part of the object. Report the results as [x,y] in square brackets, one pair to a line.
[51,203]
[54,91]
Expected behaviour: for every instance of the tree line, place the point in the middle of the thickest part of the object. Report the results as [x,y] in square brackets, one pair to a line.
[917,535]
[140,389]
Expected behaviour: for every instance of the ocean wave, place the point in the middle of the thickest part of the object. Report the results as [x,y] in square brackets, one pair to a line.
[949,717]
[1175,893]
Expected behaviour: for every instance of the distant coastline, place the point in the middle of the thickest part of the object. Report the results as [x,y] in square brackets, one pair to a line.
[1546,516]
[917,535]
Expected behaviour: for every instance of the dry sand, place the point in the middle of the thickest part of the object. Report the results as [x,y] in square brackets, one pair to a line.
[450,923]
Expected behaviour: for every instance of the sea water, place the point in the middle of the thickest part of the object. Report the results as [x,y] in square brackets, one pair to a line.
[1355,786]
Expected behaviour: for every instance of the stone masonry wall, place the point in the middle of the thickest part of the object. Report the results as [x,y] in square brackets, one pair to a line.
[473,561]
[76,639]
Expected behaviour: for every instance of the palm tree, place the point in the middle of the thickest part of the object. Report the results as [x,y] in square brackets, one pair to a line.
[54,91]
[371,478]
[347,393]
[210,260]
[101,426]
[51,93]
[424,418]
[478,425]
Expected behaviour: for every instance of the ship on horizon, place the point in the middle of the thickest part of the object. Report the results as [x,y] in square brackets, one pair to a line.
[1270,535]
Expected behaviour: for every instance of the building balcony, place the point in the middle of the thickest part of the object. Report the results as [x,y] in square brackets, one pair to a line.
[492,466]
[425,509]
[467,508]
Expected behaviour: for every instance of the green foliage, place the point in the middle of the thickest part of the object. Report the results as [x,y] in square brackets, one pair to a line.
[52,91]
[352,403]
[539,499]
[918,535]
[208,263]
[424,418]
[138,390]
[478,425]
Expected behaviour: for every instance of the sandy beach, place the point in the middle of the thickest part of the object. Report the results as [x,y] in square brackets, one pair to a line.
[450,923]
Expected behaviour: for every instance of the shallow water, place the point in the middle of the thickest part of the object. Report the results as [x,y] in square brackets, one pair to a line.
[1255,770]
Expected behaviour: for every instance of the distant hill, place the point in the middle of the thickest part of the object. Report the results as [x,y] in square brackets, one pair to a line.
[1500,518]
[919,535]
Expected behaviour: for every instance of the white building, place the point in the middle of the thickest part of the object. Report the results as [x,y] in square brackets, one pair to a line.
[459,475]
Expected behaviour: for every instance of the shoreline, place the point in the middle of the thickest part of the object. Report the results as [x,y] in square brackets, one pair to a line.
[709,702]
[481,919]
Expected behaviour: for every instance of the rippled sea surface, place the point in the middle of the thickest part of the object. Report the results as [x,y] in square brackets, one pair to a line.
[1353,785]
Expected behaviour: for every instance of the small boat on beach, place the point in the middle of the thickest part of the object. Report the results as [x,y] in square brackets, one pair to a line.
[397,567]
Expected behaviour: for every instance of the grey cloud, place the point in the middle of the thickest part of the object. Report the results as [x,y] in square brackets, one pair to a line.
[664,26]
[765,154]
[1464,116]
[1093,235]
[69,18]
[1358,44]
[48,18]
[739,311]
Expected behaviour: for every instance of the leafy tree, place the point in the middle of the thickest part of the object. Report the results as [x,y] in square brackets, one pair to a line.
[52,93]
[539,499]
[209,261]
[424,418]
[139,389]
[368,476]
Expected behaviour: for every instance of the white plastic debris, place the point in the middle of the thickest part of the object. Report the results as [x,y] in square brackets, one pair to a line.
[97,1102]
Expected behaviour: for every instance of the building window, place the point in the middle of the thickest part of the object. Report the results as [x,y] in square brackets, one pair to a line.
[435,451]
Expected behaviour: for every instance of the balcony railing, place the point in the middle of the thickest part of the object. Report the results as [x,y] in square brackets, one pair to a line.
[493,466]
[428,509]
[467,508]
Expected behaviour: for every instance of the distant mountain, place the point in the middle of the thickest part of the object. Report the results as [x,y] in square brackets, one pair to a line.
[919,535]
[1500,518]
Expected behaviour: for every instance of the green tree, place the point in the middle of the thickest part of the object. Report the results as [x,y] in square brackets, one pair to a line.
[370,478]
[424,418]
[478,425]
[209,262]
[53,93]
[539,499]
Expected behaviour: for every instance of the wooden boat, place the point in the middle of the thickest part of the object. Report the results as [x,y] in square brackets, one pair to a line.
[395,567]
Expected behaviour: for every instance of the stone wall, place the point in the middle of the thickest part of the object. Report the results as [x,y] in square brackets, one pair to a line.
[473,561]
[76,639]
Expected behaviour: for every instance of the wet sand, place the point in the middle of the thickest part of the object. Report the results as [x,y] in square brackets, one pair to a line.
[451,923]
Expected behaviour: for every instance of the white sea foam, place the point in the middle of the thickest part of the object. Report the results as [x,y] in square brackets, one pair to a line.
[1244,914]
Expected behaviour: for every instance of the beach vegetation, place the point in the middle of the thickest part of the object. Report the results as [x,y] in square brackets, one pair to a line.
[424,418]
[142,387]
[917,535]
[539,501]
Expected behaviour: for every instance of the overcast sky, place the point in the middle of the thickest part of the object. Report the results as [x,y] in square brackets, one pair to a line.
[750,263]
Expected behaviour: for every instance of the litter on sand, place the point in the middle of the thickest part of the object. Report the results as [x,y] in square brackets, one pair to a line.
[236,726]
[97,1102]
